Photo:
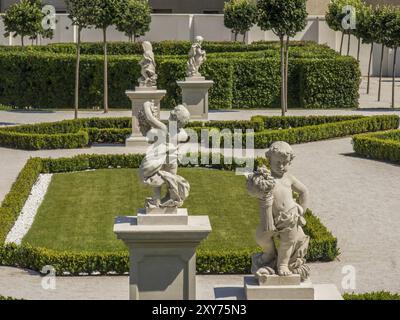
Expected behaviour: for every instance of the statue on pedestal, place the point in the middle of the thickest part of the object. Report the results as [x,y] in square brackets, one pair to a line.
[280,216]
[160,163]
[197,57]
[148,65]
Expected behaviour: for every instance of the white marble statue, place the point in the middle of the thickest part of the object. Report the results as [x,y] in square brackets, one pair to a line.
[160,163]
[196,58]
[281,216]
[148,67]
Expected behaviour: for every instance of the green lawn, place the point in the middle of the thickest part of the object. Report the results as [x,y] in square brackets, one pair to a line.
[79,209]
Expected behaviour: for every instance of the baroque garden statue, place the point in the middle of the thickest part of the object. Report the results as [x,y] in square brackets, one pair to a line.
[197,57]
[280,216]
[148,67]
[160,163]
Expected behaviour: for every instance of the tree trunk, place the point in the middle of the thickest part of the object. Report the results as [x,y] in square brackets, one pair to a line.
[236,34]
[244,38]
[380,73]
[78,58]
[105,71]
[394,76]
[348,44]
[286,73]
[22,41]
[369,67]
[341,43]
[283,75]
[358,49]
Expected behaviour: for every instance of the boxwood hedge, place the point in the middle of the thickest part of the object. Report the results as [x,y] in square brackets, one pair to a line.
[323,245]
[379,146]
[245,76]
[84,132]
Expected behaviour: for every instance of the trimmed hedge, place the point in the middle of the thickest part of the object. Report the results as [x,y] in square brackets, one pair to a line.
[325,131]
[379,146]
[245,76]
[376,295]
[323,246]
[84,132]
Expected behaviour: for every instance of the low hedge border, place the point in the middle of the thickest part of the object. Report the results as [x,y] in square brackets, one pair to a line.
[375,295]
[323,245]
[379,146]
[82,133]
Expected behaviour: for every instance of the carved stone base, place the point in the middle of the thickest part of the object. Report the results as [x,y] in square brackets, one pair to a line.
[274,291]
[195,96]
[162,216]
[138,97]
[162,258]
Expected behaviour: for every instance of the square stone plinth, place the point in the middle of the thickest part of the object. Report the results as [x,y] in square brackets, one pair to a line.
[253,291]
[275,280]
[195,96]
[161,216]
[162,258]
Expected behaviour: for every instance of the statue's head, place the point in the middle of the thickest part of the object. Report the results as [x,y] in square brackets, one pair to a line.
[146,45]
[280,155]
[181,115]
[199,39]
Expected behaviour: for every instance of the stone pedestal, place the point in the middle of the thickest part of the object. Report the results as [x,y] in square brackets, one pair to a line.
[162,253]
[278,288]
[138,97]
[195,96]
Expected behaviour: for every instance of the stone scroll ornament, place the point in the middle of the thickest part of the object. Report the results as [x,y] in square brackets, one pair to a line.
[148,67]
[281,217]
[160,164]
[197,57]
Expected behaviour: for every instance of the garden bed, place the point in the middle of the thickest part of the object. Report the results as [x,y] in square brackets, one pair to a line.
[81,133]
[52,239]
[379,145]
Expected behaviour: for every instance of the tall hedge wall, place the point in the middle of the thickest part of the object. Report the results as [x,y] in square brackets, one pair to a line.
[244,76]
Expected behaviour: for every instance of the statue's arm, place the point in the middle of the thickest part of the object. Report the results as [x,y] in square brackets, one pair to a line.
[302,190]
[154,122]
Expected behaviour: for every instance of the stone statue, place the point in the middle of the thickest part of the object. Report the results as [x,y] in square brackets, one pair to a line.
[160,163]
[196,58]
[280,216]
[148,65]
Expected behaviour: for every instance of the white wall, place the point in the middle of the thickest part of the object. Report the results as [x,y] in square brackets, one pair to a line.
[211,27]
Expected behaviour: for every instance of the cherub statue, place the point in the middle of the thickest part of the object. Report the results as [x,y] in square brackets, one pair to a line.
[196,58]
[148,65]
[280,216]
[160,163]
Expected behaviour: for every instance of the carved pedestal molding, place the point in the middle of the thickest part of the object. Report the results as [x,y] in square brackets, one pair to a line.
[162,253]
[138,97]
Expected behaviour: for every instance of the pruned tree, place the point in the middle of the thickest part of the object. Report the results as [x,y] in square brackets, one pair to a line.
[24,19]
[133,18]
[284,19]
[365,30]
[104,16]
[80,12]
[240,16]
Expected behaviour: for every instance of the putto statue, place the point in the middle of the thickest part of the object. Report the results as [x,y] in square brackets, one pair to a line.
[148,65]
[280,216]
[160,164]
[196,58]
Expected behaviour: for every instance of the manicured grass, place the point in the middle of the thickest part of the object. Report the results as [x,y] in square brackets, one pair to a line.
[79,209]
[378,295]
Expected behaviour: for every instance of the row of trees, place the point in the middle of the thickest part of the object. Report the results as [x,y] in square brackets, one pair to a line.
[370,25]
[133,17]
[283,18]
